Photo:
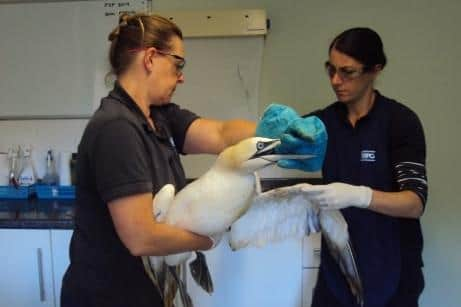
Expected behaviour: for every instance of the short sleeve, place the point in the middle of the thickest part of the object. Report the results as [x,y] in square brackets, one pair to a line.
[178,121]
[120,161]
[407,137]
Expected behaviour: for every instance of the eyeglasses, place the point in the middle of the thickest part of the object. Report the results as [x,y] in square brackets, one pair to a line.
[179,63]
[344,73]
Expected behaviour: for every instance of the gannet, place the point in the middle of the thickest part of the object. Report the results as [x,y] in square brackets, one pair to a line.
[287,212]
[210,204]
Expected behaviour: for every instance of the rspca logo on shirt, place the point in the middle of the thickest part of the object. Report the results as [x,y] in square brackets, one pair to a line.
[368,156]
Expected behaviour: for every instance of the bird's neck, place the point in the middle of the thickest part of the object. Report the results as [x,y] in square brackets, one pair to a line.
[238,181]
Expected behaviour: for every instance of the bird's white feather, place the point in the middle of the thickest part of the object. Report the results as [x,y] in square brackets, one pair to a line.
[210,204]
[274,216]
[335,226]
[162,202]
[288,213]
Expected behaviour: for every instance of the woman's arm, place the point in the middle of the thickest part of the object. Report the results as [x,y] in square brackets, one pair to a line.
[212,136]
[143,236]
[338,195]
[398,204]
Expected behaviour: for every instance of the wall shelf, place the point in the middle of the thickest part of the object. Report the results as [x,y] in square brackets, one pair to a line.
[219,23]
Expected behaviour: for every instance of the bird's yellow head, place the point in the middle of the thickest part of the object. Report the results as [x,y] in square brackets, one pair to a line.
[249,155]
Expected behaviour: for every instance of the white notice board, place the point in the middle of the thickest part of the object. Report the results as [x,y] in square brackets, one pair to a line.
[53,57]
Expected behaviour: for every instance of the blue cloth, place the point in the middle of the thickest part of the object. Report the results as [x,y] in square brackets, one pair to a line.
[298,135]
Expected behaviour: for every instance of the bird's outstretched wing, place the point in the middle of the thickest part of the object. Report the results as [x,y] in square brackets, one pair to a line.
[274,216]
[287,212]
[336,234]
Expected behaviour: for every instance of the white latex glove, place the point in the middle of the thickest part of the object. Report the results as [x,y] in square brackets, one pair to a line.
[339,195]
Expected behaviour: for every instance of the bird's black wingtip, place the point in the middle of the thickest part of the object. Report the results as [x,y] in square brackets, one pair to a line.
[200,273]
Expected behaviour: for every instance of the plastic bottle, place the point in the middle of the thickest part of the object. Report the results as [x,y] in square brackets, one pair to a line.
[64,168]
[51,176]
[73,165]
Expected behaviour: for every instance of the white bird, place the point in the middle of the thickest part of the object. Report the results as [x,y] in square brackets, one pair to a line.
[210,204]
[287,212]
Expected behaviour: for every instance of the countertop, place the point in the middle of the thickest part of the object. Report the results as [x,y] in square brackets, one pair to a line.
[35,214]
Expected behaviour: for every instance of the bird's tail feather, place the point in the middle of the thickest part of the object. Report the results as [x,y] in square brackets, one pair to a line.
[185,297]
[166,280]
[156,262]
[150,269]
[177,259]
[274,216]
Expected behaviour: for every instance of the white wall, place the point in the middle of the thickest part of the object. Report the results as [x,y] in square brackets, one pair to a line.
[423,45]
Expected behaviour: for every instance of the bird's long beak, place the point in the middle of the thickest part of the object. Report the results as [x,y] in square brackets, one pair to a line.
[267,153]
[276,157]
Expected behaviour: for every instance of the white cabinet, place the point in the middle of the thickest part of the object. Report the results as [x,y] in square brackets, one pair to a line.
[26,268]
[60,240]
[32,266]
[311,251]
[309,280]
[311,262]
[282,274]
[269,276]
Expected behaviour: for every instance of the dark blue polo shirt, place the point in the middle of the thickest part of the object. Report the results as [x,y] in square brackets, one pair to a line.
[119,155]
[368,154]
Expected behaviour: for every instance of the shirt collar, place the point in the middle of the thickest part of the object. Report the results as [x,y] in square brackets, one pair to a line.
[341,108]
[119,94]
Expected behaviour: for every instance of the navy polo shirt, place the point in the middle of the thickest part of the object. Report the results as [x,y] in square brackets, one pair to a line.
[367,154]
[120,155]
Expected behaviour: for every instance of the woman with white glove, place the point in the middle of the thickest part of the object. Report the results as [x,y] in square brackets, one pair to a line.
[374,171]
[338,195]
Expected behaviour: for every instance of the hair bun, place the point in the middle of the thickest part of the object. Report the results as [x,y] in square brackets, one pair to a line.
[122,22]
[114,34]
[123,19]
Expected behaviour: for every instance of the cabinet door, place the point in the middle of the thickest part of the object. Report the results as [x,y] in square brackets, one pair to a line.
[309,280]
[269,276]
[311,251]
[60,240]
[26,268]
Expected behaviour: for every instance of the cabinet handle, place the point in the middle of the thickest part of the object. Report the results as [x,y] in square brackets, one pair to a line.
[316,251]
[40,275]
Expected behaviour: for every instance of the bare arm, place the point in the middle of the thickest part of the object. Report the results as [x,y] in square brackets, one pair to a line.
[212,136]
[337,195]
[398,204]
[137,229]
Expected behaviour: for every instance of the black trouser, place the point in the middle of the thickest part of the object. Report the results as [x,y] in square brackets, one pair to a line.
[410,287]
[83,288]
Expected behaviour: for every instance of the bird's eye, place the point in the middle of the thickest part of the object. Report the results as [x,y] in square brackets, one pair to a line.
[260,145]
